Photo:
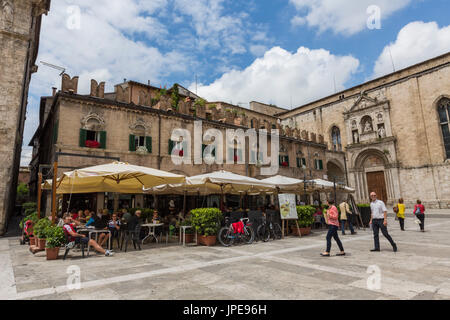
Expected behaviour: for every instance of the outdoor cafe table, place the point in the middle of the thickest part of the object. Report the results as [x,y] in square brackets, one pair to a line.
[151,230]
[96,232]
[183,234]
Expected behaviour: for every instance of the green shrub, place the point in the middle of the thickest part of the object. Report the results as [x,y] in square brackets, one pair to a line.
[39,228]
[32,216]
[305,216]
[29,205]
[206,221]
[55,237]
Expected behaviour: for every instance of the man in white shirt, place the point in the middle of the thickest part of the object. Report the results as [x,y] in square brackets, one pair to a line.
[378,221]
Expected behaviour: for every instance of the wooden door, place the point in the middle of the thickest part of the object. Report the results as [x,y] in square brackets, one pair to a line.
[376,183]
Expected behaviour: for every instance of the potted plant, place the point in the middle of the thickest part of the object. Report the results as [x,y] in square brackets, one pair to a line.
[40,232]
[31,216]
[189,235]
[206,222]
[55,240]
[305,220]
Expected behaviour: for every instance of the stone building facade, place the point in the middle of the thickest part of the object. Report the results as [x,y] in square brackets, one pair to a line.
[135,124]
[20,22]
[393,133]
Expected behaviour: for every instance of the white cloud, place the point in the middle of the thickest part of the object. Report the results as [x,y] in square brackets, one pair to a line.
[103,48]
[305,75]
[416,42]
[341,16]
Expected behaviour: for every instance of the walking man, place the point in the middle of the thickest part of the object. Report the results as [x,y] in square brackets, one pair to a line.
[346,215]
[378,221]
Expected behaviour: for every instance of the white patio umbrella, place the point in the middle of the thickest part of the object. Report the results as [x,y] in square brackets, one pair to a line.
[286,184]
[117,177]
[325,185]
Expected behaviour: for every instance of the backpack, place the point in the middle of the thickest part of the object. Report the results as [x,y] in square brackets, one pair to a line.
[417,212]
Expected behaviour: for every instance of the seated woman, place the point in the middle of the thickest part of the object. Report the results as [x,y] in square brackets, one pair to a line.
[91,219]
[79,238]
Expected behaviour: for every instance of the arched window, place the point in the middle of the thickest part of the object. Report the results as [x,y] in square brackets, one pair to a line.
[336,139]
[444,117]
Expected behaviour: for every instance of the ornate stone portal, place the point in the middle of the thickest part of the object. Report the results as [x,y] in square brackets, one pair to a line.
[372,155]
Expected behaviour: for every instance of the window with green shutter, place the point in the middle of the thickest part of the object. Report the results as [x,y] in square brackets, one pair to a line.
[102,139]
[148,144]
[318,164]
[132,143]
[83,136]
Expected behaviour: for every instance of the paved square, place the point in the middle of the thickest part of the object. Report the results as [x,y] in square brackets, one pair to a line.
[285,269]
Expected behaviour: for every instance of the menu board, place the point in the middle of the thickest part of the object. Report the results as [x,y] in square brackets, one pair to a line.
[288,207]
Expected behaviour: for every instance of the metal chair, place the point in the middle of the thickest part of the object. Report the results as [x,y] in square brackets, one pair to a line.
[134,236]
[256,218]
[70,245]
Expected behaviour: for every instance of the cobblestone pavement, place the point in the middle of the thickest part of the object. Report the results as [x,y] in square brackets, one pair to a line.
[285,269]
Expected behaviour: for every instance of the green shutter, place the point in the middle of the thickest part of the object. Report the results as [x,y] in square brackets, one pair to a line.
[132,144]
[103,139]
[171,145]
[148,144]
[286,159]
[83,135]
[320,164]
[298,163]
[304,162]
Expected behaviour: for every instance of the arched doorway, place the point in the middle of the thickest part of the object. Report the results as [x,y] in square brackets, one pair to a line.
[372,175]
[334,171]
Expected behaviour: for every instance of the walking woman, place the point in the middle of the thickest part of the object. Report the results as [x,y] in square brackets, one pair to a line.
[401,213]
[419,211]
[333,227]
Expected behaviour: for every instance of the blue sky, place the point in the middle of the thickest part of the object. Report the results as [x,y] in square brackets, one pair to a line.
[274,51]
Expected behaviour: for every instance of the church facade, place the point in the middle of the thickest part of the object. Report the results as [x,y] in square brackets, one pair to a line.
[393,133]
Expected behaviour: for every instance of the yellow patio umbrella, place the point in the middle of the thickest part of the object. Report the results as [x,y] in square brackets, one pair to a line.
[117,177]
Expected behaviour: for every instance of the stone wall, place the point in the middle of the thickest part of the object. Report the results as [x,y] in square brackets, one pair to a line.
[19,33]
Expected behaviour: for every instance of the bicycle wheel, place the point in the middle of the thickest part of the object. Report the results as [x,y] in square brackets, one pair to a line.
[263,233]
[226,237]
[277,233]
[249,235]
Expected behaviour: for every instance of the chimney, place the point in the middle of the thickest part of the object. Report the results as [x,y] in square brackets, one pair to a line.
[54,91]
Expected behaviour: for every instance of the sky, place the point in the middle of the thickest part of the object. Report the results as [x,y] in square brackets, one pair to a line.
[282,52]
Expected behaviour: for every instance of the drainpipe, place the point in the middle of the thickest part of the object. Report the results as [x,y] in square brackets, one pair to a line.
[159,141]
[346,170]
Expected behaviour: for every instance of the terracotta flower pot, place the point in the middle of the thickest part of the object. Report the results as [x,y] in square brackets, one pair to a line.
[32,241]
[303,231]
[189,238]
[41,244]
[208,241]
[52,253]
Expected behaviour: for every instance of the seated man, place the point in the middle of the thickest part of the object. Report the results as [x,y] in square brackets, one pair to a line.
[113,227]
[102,224]
[134,221]
[79,238]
